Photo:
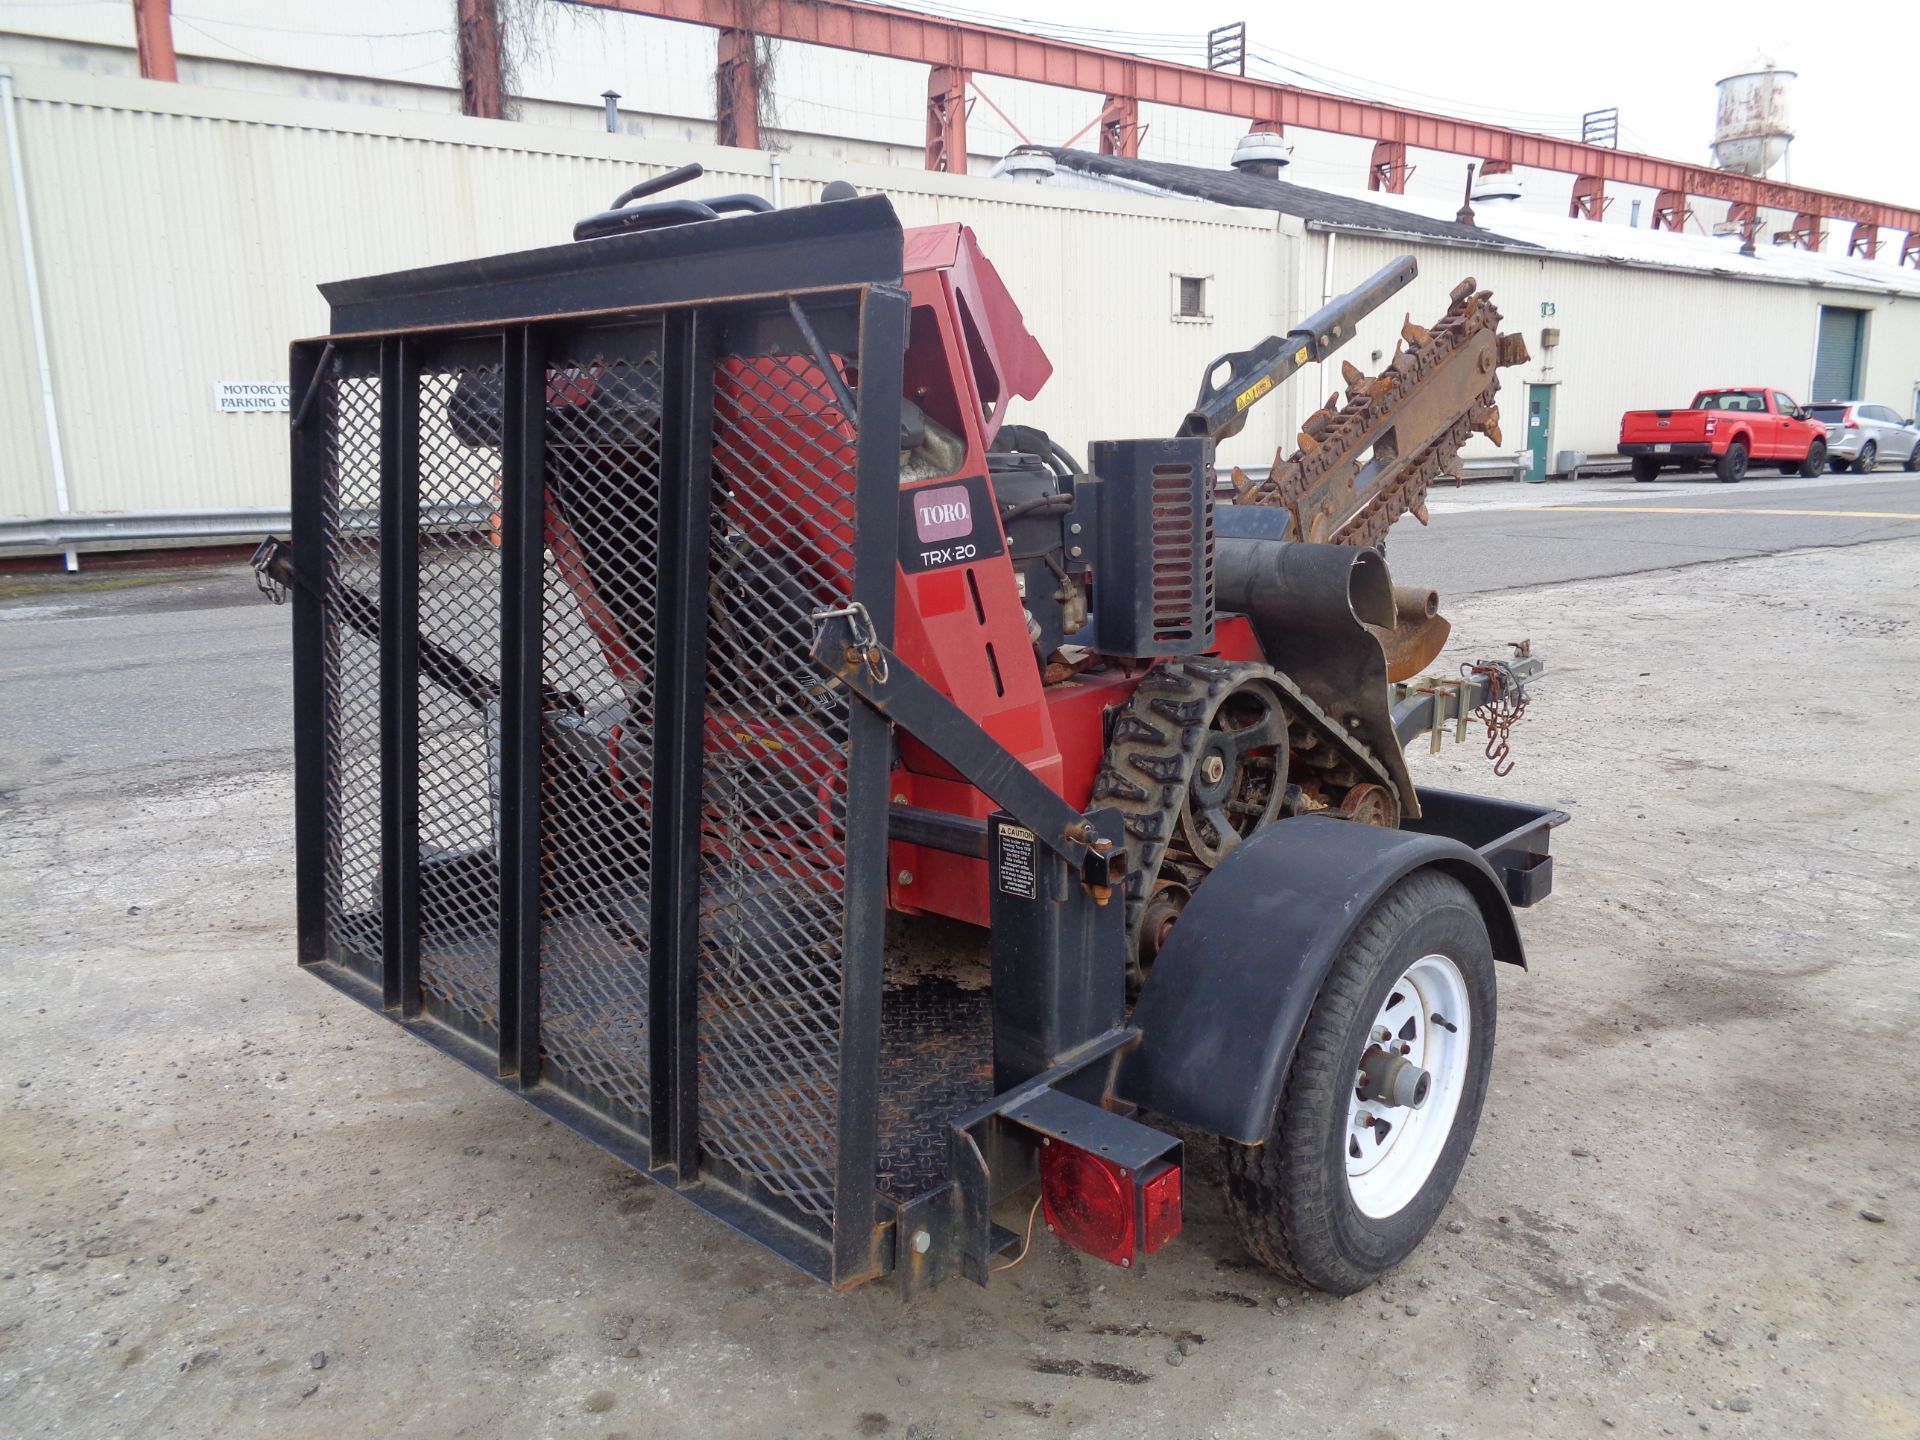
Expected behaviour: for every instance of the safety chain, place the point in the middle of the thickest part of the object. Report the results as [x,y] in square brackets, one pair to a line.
[269,583]
[865,646]
[1506,702]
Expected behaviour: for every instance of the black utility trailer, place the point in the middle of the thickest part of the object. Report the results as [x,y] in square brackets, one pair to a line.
[519,838]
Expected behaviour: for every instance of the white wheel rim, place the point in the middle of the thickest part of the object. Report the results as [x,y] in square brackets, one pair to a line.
[1391,1150]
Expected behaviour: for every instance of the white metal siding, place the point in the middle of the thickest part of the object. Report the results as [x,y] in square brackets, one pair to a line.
[182,233]
[1629,338]
[26,484]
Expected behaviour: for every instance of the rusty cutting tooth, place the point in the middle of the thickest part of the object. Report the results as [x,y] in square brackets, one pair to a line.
[1350,373]
[1414,334]
[1461,291]
[1307,443]
[1241,484]
[1419,511]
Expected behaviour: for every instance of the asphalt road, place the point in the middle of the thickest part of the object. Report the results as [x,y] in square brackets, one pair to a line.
[1510,536]
[111,677]
[185,675]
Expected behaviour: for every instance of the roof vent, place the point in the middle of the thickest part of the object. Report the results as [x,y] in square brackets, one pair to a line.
[1501,189]
[1029,164]
[1262,153]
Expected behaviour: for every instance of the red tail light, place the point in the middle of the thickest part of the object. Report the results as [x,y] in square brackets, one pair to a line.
[1104,1210]
[1850,423]
[1712,424]
[1160,1209]
[1089,1202]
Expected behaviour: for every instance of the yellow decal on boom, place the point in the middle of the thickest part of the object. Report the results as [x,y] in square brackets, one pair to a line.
[1300,356]
[1253,392]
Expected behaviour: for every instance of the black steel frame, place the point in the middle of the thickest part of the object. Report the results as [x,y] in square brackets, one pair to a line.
[1059,1026]
[825,268]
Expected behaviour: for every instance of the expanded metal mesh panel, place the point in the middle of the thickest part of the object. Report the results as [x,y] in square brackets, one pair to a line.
[350,662]
[459,610]
[773,823]
[602,606]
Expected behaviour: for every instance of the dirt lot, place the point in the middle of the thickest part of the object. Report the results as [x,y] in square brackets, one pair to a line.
[234,1203]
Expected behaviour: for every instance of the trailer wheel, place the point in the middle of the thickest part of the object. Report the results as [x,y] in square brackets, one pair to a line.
[1731,467]
[1349,1182]
[1645,467]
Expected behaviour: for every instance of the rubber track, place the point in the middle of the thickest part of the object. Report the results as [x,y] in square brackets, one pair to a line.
[1156,742]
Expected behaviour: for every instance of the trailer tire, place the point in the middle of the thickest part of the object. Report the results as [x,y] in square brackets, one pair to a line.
[1295,1201]
[1645,467]
[1731,467]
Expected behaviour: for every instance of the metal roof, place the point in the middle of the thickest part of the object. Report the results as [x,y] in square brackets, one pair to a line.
[1231,187]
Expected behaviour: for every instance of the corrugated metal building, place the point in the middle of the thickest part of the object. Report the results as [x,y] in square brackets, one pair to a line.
[179,231]
[1616,318]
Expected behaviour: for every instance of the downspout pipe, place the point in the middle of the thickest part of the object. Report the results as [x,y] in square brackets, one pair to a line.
[30,272]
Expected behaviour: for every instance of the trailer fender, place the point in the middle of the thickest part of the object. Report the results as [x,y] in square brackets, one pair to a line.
[1231,989]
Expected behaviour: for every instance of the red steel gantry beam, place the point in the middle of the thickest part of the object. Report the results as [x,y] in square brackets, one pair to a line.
[947,119]
[483,90]
[736,91]
[153,38]
[932,40]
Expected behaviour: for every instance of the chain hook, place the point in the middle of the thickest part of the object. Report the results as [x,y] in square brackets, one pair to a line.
[1506,702]
[865,638]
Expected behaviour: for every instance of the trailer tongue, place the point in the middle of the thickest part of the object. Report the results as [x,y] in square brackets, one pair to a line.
[673,605]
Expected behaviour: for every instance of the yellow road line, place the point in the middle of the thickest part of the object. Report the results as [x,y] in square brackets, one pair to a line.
[1733,510]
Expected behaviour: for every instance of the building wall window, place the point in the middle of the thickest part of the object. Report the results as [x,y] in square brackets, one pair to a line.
[1190,297]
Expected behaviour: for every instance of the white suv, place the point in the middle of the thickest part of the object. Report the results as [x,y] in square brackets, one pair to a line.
[1863,435]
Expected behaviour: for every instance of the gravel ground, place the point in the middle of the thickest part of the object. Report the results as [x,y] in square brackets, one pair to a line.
[234,1203]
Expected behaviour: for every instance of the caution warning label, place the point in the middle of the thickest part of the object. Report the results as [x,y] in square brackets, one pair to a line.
[1016,870]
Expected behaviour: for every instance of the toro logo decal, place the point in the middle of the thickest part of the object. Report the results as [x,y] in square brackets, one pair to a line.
[942,514]
[950,523]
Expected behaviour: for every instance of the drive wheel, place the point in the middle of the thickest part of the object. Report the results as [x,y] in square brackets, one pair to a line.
[1382,1098]
[1240,777]
[1869,457]
[1816,462]
[1645,467]
[1731,467]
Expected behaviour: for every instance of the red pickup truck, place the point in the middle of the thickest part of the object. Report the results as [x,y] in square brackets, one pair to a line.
[1730,427]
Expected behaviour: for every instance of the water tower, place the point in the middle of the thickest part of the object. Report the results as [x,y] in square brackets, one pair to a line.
[1751,130]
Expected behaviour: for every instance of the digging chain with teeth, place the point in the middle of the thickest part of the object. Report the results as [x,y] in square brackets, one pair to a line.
[1158,739]
[1308,482]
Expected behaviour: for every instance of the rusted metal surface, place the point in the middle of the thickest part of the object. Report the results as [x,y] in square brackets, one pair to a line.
[1505,704]
[1419,633]
[1363,464]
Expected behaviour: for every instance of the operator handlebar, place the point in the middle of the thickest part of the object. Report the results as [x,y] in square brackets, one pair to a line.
[1222,408]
